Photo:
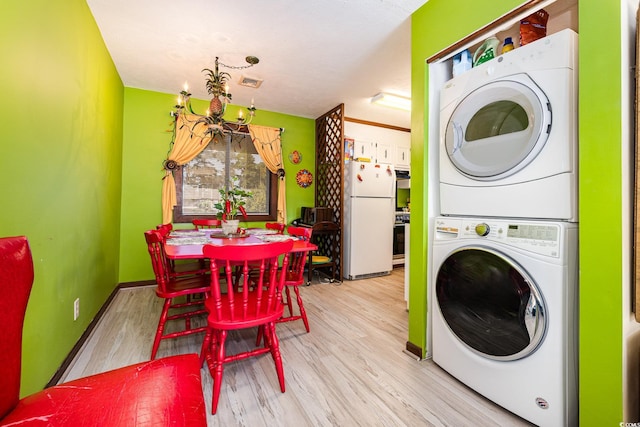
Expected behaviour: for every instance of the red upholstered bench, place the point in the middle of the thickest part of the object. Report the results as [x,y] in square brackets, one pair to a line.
[162,392]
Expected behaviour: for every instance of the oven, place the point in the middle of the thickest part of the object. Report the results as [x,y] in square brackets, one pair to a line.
[401,218]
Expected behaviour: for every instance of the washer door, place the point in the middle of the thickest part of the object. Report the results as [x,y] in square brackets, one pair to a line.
[499,128]
[490,304]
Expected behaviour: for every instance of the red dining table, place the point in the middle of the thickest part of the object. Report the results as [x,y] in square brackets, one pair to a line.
[188,244]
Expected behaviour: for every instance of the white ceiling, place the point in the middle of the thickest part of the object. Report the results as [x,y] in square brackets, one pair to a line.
[313,54]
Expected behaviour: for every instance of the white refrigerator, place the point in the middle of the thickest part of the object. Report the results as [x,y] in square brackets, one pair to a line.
[369,216]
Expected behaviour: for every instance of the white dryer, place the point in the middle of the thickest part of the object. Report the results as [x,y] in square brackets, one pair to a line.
[508,134]
[504,317]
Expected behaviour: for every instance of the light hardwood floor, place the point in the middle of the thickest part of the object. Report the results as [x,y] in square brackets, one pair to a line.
[350,370]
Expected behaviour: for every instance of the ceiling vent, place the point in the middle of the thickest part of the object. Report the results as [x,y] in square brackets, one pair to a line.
[250,82]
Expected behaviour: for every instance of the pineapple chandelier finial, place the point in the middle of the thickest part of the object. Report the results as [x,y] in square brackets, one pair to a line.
[218,87]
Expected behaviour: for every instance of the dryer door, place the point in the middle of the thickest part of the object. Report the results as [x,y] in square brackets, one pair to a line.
[499,128]
[490,304]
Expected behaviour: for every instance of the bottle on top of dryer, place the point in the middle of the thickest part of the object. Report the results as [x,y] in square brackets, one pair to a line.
[461,62]
[508,45]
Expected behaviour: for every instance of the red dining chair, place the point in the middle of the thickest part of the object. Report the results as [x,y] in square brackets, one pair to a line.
[259,305]
[277,226]
[181,267]
[163,392]
[171,288]
[295,276]
[206,223]
[165,229]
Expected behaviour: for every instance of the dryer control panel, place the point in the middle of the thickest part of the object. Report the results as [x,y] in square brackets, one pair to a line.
[540,237]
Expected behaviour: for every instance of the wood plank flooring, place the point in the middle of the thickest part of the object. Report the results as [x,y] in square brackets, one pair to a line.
[350,370]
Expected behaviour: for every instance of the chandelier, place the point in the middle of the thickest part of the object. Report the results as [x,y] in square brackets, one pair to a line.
[217,86]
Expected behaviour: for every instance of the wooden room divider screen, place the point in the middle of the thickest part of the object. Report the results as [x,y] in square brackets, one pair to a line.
[329,175]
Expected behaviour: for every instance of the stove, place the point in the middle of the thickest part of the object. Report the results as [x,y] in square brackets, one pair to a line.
[401,218]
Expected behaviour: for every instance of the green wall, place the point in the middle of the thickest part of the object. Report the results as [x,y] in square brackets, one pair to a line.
[146,142]
[438,24]
[61,121]
[601,214]
[403,197]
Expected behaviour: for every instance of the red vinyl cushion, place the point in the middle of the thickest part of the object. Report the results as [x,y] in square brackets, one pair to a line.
[162,392]
[16,278]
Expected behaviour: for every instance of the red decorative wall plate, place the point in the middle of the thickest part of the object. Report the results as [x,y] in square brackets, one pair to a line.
[304,178]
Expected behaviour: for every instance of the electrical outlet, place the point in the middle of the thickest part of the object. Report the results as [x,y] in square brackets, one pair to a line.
[76,309]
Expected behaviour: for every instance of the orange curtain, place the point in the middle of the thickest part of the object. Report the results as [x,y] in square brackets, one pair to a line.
[267,143]
[189,141]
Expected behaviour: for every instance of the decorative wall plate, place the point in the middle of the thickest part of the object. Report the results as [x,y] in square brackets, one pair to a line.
[304,178]
[295,157]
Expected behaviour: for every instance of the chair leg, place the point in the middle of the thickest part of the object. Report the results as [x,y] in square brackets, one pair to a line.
[161,325]
[218,367]
[206,347]
[303,312]
[260,335]
[272,340]
[288,301]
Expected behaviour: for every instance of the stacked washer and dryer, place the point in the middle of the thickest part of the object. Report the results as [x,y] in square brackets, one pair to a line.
[504,290]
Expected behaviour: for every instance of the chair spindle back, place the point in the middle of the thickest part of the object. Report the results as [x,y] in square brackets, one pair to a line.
[260,292]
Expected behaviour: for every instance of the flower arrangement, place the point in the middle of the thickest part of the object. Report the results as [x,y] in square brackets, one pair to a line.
[232,201]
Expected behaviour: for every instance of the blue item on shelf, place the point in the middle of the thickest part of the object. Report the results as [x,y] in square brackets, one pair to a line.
[461,62]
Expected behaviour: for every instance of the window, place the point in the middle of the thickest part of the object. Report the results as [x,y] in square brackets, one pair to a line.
[198,181]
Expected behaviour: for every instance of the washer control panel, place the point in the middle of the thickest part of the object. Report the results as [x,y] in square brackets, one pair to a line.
[539,237]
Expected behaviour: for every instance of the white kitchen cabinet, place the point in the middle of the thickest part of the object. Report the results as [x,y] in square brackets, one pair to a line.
[384,153]
[377,152]
[403,158]
[380,144]
[365,149]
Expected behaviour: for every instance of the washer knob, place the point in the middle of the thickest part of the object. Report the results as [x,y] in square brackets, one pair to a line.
[482,229]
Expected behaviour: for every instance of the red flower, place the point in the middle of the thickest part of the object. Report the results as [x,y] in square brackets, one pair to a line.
[243,212]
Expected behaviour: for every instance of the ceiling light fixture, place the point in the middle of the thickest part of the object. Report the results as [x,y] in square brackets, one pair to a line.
[392,101]
[217,86]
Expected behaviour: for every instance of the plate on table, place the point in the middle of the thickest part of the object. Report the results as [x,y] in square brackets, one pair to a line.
[260,231]
[274,237]
[187,233]
[189,240]
[229,236]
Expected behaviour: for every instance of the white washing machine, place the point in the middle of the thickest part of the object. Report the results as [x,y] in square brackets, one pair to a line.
[504,313]
[508,134]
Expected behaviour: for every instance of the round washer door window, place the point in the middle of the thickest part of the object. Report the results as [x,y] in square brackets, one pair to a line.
[498,129]
[490,304]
